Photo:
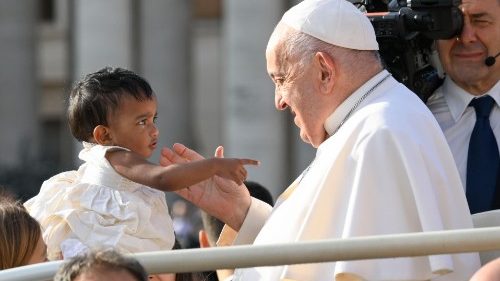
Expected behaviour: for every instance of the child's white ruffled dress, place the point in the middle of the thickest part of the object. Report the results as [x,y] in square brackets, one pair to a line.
[95,207]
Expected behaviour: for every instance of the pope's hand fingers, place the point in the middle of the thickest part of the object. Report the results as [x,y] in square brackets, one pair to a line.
[169,157]
[219,152]
[184,152]
[166,156]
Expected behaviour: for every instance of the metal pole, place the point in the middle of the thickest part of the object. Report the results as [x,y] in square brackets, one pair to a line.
[358,248]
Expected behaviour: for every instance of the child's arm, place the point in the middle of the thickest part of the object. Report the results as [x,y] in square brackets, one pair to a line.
[176,176]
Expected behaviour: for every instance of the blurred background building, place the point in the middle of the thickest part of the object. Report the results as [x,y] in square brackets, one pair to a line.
[205,59]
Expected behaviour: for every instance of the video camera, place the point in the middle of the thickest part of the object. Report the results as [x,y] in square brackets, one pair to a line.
[406,30]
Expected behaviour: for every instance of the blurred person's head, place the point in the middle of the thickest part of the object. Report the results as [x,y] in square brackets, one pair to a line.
[21,241]
[110,265]
[212,226]
[103,265]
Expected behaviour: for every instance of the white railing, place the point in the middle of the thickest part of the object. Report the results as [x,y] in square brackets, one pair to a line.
[368,247]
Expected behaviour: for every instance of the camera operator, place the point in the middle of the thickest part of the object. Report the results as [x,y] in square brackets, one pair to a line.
[467,104]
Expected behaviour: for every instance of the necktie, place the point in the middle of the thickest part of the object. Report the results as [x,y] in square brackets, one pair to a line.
[483,159]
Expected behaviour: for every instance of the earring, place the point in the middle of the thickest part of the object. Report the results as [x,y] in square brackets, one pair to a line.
[457,38]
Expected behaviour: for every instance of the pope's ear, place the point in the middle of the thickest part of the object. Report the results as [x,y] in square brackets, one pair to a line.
[102,135]
[327,71]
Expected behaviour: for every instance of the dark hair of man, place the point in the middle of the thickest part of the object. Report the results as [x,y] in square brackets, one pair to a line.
[98,94]
[213,226]
[104,260]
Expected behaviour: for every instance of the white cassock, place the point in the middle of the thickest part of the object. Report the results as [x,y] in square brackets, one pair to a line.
[387,170]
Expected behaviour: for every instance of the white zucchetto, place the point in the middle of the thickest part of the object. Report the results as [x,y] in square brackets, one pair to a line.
[337,22]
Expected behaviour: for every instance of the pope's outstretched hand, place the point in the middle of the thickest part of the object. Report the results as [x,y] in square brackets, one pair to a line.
[219,197]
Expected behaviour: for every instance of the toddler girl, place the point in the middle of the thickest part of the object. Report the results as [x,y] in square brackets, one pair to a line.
[110,201]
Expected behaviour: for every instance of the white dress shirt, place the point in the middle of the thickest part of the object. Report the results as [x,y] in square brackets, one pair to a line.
[450,106]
